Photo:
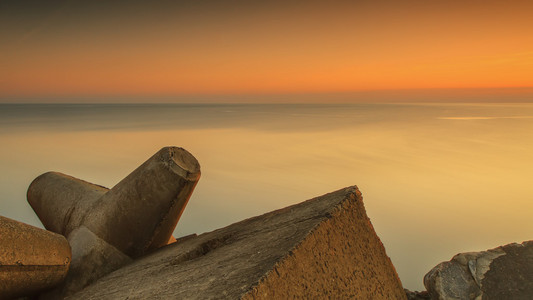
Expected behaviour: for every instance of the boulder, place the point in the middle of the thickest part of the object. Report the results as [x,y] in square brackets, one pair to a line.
[505,272]
[325,247]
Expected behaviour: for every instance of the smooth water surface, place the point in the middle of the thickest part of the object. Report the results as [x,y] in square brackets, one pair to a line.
[437,179]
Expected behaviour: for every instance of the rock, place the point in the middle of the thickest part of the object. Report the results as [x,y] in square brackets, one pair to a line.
[325,247]
[505,272]
[31,259]
[135,217]
[416,295]
[140,213]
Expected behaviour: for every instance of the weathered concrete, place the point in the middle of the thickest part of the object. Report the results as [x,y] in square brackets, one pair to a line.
[133,218]
[505,272]
[92,258]
[140,213]
[136,216]
[322,248]
[31,259]
[61,201]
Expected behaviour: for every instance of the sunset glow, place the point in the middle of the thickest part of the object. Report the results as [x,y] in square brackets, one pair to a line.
[233,47]
[426,106]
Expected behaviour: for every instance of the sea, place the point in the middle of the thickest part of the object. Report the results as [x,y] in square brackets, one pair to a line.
[437,179]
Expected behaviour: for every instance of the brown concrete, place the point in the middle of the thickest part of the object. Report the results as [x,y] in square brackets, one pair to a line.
[31,259]
[342,258]
[322,248]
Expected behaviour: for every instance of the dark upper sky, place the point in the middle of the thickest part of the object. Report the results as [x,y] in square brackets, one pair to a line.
[171,48]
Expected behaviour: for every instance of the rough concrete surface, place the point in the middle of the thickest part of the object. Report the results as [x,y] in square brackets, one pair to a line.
[61,201]
[505,272]
[325,247]
[31,259]
[140,213]
[92,258]
[136,216]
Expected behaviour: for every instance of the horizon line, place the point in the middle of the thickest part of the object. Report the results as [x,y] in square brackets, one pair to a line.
[427,95]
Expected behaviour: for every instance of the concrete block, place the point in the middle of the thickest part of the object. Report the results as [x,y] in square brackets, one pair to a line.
[92,258]
[31,259]
[135,217]
[323,248]
[61,201]
[140,213]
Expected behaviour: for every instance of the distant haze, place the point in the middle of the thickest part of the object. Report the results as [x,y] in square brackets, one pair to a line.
[271,51]
[487,95]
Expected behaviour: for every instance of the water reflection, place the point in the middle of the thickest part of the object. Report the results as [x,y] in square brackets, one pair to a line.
[437,179]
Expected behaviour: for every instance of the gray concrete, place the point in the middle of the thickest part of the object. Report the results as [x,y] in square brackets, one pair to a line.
[31,259]
[140,213]
[135,217]
[92,258]
[451,280]
[322,248]
[505,272]
[61,201]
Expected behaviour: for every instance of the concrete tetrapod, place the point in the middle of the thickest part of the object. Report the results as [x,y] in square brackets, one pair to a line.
[31,259]
[61,201]
[136,216]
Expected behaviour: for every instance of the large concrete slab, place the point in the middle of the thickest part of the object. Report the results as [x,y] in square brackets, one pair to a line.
[323,247]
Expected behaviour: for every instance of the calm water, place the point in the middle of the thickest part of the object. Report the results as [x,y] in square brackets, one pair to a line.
[436,179]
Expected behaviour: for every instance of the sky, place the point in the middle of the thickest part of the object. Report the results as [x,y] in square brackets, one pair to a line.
[265,50]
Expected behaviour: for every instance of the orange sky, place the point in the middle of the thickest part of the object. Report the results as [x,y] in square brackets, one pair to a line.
[165,48]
